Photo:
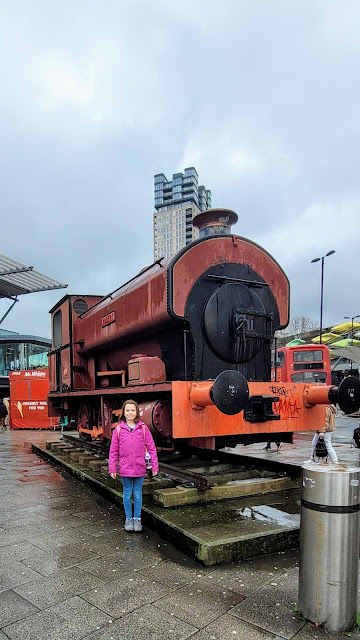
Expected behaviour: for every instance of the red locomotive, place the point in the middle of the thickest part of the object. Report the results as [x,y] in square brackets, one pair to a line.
[190,339]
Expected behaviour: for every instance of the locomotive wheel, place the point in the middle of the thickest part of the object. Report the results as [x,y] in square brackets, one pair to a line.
[84,436]
[84,421]
[84,416]
[99,422]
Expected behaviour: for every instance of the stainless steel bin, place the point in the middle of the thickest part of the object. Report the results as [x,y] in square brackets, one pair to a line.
[329,545]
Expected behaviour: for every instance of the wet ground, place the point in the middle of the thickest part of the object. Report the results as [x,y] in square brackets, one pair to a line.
[69,571]
[300,451]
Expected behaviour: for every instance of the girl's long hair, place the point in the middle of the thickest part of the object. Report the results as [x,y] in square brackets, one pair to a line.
[122,415]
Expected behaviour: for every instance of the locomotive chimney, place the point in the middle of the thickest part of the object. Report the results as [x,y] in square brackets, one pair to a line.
[215,222]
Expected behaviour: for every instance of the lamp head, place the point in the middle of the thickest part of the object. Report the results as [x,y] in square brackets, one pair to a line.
[316,260]
[329,253]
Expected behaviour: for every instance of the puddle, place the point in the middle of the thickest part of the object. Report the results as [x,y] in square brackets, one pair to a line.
[265,513]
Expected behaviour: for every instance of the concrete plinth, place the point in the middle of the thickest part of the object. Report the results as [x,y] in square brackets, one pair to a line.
[213,533]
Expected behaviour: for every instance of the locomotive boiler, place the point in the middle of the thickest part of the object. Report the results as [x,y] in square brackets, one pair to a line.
[189,338]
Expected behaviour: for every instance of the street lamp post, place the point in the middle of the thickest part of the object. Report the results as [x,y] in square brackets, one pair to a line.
[329,253]
[352,318]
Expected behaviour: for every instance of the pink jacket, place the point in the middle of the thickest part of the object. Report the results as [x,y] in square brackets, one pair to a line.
[129,451]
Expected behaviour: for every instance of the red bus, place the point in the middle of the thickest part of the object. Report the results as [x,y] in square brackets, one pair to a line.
[301,363]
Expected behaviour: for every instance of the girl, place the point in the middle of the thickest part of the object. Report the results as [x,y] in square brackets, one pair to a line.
[130,439]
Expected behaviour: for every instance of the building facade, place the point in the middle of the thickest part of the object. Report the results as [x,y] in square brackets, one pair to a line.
[177,201]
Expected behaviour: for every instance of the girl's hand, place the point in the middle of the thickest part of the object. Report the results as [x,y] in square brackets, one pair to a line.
[112,475]
[155,473]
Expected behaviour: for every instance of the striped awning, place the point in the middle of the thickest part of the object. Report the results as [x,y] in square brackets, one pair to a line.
[17,279]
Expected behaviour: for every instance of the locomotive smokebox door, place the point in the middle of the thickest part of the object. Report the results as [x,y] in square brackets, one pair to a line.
[235,322]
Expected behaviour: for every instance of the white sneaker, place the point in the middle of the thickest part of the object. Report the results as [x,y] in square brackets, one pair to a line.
[129,524]
[137,524]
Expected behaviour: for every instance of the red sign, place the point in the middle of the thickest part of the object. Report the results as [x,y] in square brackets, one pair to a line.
[28,406]
[108,319]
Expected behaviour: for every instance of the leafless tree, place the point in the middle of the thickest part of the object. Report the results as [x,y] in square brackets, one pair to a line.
[298,326]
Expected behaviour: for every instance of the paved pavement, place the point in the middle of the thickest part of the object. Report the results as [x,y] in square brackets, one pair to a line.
[301,449]
[69,571]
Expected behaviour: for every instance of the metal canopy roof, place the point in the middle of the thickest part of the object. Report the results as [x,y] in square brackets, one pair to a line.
[351,353]
[17,339]
[17,279]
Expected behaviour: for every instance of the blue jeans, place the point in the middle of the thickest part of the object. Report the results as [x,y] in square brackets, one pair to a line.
[132,486]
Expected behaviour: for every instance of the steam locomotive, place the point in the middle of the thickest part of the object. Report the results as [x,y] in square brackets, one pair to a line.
[189,338]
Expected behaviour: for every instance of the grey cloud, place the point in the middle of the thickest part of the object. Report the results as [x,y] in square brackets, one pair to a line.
[262,97]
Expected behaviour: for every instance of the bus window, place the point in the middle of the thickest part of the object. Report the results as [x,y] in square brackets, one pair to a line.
[308,355]
[309,376]
[280,359]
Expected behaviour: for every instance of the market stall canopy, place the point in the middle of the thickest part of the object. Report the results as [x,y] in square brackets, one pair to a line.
[295,342]
[17,279]
[326,338]
[346,327]
[345,342]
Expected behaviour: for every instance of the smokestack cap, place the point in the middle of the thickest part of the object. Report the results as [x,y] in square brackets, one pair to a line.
[215,222]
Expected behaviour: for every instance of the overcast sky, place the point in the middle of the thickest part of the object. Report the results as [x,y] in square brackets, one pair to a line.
[261,96]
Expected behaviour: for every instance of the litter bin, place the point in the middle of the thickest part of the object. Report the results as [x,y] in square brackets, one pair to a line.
[329,545]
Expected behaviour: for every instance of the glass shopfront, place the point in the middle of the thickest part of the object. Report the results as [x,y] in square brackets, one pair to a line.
[18,353]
